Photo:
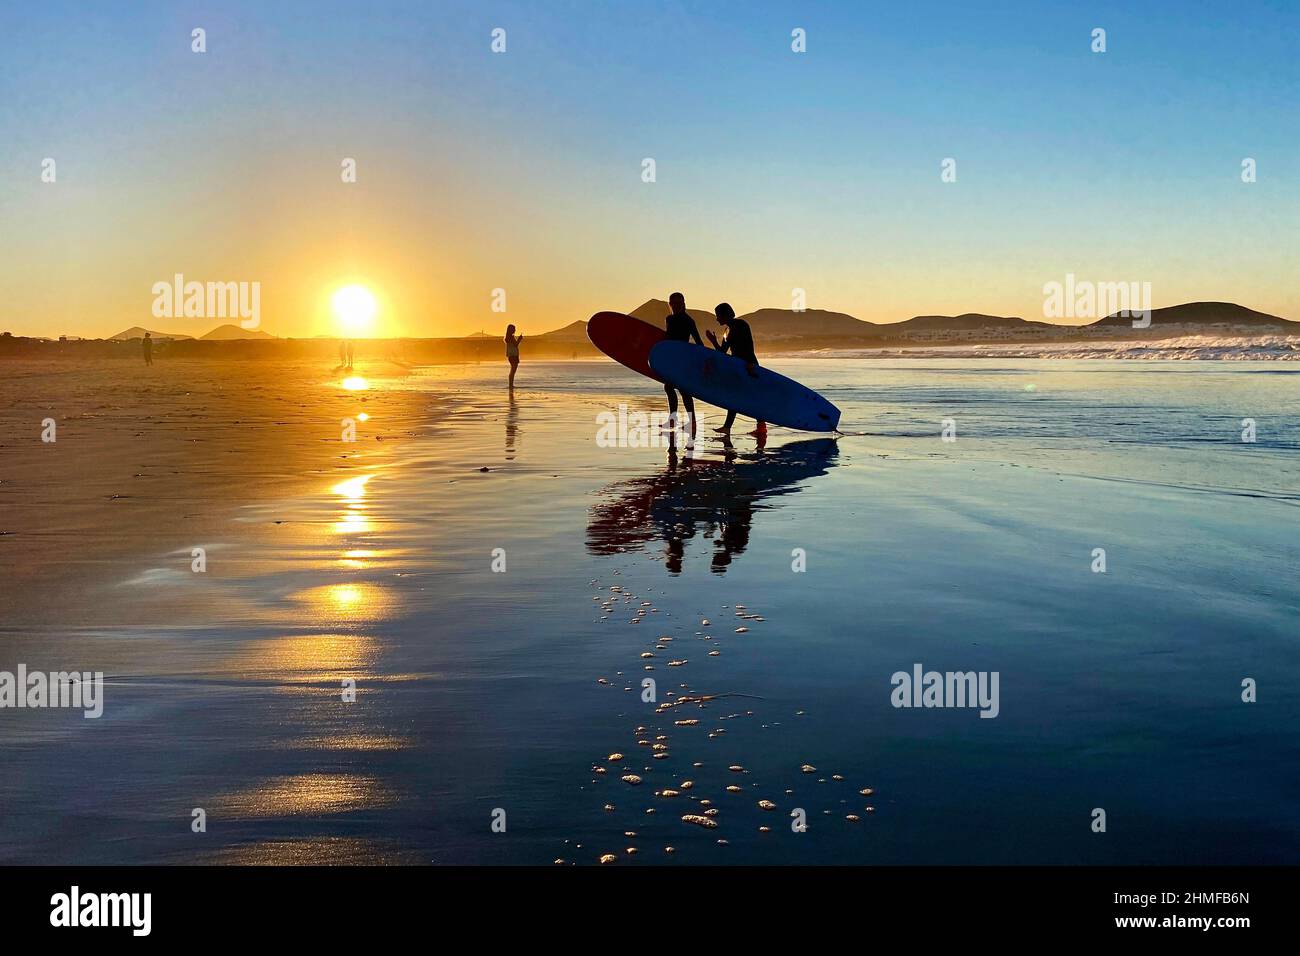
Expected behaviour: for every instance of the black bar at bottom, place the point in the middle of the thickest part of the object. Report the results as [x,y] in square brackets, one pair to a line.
[344,904]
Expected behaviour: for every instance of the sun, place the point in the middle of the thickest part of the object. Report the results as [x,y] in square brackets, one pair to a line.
[355,308]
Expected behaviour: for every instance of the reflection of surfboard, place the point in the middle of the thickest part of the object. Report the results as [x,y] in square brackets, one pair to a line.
[713,499]
[724,380]
[626,340]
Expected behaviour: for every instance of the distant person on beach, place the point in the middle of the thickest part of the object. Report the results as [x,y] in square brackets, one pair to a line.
[739,341]
[147,344]
[680,327]
[349,350]
[343,353]
[512,351]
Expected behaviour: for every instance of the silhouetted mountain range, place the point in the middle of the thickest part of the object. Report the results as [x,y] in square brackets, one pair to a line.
[816,327]
[967,320]
[220,333]
[774,329]
[1206,313]
[224,333]
[138,331]
[573,332]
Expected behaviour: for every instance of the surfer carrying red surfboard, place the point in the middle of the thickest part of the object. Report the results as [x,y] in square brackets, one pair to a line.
[739,341]
[680,327]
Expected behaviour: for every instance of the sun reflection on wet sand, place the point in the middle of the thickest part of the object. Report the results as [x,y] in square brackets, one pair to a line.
[353,493]
[313,794]
[355,383]
[352,522]
[352,602]
[344,595]
[348,741]
[354,489]
[309,658]
[328,851]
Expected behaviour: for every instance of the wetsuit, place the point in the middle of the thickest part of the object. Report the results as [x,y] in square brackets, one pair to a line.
[681,328]
[739,341]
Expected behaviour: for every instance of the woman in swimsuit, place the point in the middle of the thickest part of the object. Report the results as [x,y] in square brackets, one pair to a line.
[512,351]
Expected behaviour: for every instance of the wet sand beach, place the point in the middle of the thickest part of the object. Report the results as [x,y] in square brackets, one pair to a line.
[499,587]
[146,459]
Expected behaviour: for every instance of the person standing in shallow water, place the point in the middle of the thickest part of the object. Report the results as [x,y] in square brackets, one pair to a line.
[147,345]
[512,351]
[680,327]
[739,341]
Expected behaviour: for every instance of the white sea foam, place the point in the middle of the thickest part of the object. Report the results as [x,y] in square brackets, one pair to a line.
[1269,348]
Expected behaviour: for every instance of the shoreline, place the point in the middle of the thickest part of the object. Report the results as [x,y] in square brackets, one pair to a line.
[398,356]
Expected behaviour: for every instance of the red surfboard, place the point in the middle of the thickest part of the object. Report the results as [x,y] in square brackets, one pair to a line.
[625,339]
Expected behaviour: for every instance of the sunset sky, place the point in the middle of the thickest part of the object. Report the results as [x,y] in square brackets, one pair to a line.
[522,170]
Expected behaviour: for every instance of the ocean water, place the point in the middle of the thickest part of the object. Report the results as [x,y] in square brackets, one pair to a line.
[1183,348]
[495,589]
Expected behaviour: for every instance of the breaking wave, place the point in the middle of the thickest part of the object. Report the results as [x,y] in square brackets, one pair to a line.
[1227,348]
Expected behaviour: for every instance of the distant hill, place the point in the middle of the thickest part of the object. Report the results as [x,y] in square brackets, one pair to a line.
[224,333]
[656,310]
[138,331]
[1206,313]
[786,323]
[967,320]
[771,323]
[573,332]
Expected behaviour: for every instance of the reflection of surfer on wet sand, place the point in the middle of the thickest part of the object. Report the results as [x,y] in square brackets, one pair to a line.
[717,498]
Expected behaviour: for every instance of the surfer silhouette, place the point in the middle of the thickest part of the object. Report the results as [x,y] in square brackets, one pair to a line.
[680,327]
[739,341]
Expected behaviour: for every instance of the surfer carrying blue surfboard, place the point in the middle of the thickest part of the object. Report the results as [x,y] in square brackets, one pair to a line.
[680,327]
[739,341]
